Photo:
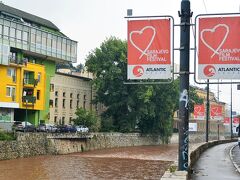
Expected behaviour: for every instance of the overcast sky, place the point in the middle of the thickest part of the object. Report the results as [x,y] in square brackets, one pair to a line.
[90,22]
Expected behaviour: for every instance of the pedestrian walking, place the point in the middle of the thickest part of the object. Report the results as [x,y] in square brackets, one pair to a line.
[239,142]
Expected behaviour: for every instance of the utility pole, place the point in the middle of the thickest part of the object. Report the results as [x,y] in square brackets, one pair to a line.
[231,131]
[207,111]
[185,15]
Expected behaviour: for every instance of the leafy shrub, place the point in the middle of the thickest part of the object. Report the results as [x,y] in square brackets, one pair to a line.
[87,118]
[6,136]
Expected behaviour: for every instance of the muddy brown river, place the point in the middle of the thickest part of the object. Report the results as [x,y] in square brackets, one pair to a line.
[144,162]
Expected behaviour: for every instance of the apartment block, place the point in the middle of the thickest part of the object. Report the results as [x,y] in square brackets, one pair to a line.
[68,93]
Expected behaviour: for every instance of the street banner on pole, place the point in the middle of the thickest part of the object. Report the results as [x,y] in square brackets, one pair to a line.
[216,112]
[226,121]
[149,49]
[236,120]
[199,112]
[218,47]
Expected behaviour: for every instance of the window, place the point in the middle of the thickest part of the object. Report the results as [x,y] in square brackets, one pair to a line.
[13,56]
[10,91]
[55,119]
[38,95]
[50,103]
[39,76]
[64,94]
[63,104]
[84,97]
[33,38]
[6,32]
[63,120]
[84,104]
[19,35]
[38,40]
[52,88]
[78,95]
[25,37]
[70,104]
[71,95]
[70,120]
[77,103]
[56,93]
[11,72]
[12,34]
[56,102]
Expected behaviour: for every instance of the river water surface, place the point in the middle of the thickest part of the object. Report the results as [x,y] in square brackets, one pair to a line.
[144,162]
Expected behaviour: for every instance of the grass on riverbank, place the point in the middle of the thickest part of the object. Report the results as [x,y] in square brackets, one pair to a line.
[7,136]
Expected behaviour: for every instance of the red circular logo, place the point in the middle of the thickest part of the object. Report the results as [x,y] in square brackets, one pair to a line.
[209,71]
[138,71]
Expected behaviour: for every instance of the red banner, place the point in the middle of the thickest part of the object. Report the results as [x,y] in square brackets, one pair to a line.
[149,49]
[216,112]
[199,112]
[219,48]
[226,121]
[235,120]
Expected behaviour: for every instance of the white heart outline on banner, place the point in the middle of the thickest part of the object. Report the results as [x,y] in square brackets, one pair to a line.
[215,51]
[140,32]
[215,111]
[198,111]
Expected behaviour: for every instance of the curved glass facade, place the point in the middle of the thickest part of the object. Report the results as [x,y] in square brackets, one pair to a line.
[36,40]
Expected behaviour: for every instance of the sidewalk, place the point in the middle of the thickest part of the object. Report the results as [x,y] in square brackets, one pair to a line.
[215,163]
[235,157]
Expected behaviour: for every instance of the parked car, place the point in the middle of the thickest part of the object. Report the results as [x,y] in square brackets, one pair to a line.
[41,128]
[51,128]
[66,128]
[17,125]
[23,126]
[82,128]
[46,128]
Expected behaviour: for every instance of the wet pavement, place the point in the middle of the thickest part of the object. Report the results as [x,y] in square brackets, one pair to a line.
[215,164]
[235,156]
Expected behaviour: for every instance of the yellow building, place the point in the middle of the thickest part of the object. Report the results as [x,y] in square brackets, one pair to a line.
[22,87]
[30,46]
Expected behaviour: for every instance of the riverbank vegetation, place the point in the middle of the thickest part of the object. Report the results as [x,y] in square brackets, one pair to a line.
[7,136]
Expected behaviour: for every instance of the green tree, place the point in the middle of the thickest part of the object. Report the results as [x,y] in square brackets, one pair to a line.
[193,97]
[148,107]
[87,118]
[108,63]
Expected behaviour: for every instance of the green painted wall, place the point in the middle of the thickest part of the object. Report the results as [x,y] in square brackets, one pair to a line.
[50,67]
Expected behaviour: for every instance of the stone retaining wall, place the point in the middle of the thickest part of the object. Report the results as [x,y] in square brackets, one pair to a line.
[32,144]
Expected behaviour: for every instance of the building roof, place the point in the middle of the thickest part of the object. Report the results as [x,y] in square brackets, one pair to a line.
[74,76]
[27,16]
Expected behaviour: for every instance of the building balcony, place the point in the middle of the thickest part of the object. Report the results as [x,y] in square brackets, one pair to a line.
[15,61]
[30,82]
[29,100]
